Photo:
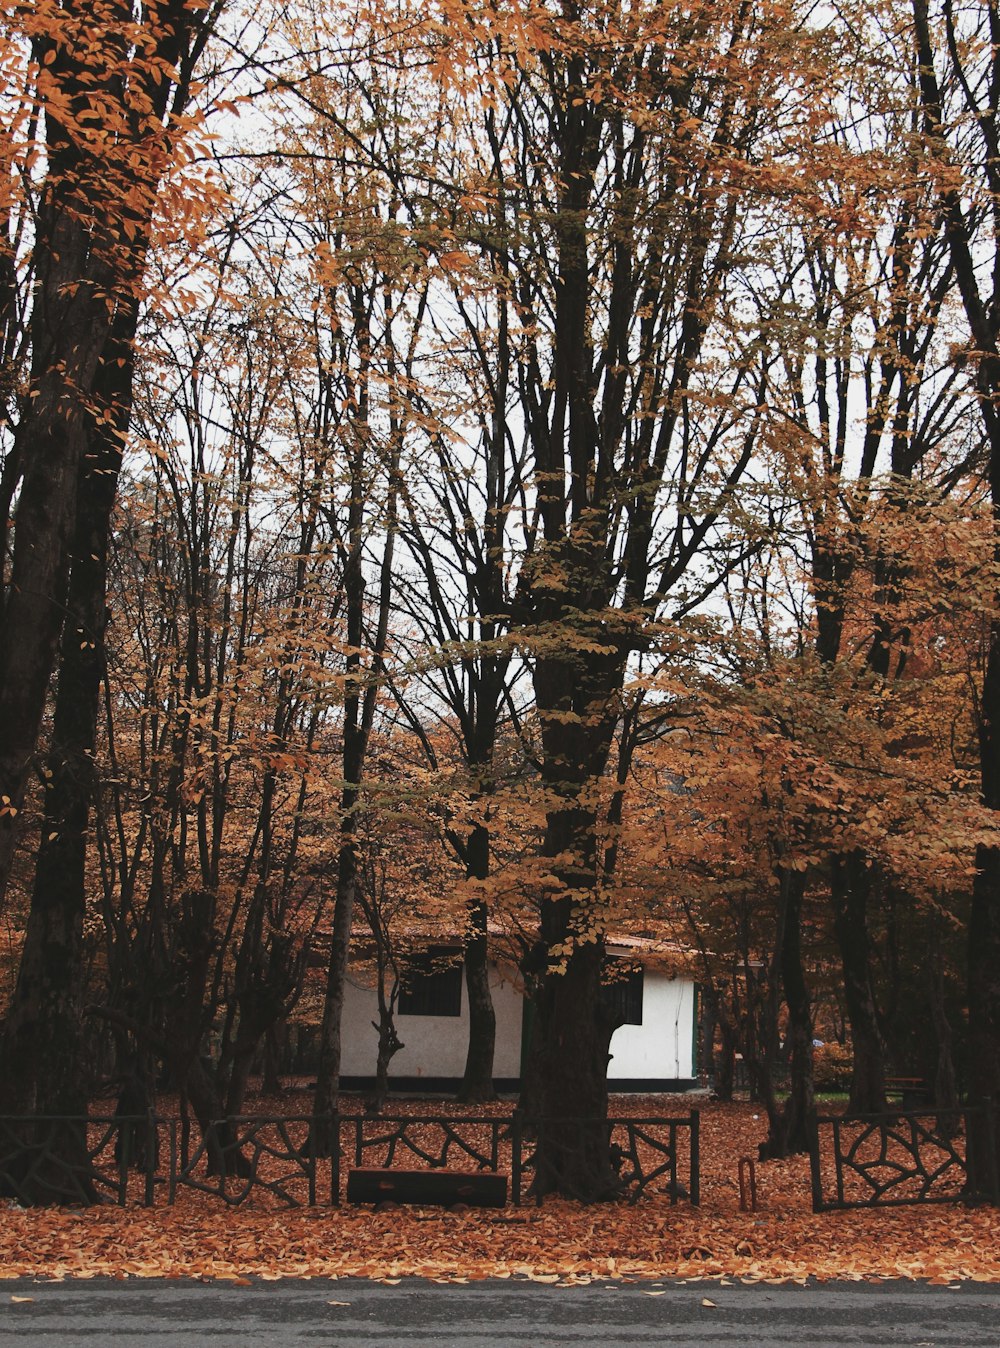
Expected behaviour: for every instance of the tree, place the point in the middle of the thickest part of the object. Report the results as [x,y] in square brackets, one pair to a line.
[221,661]
[606,200]
[597,214]
[960,108]
[110,85]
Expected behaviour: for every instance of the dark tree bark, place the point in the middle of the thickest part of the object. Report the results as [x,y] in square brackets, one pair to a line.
[945,1080]
[850,885]
[275,1054]
[725,1059]
[188,1019]
[69,330]
[706,1035]
[477,1080]
[572,1155]
[760,1020]
[268,971]
[980,105]
[90,246]
[371,896]
[325,1100]
[789,1127]
[389,1042]
[43,1034]
[359,714]
[576,702]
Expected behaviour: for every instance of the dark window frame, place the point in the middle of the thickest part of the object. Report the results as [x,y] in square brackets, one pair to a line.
[431,985]
[623,997]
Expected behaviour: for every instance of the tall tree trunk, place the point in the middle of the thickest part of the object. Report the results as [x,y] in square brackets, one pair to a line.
[91,237]
[850,885]
[576,702]
[275,1050]
[359,715]
[325,1100]
[189,1019]
[572,1155]
[945,1083]
[477,1080]
[725,1071]
[983,317]
[790,1128]
[44,1063]
[69,330]
[760,1040]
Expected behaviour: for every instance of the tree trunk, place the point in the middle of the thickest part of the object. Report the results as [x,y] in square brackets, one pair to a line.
[789,1131]
[577,704]
[725,1059]
[982,317]
[271,1083]
[389,1045]
[200,1087]
[760,1040]
[706,1035]
[945,1084]
[572,1155]
[359,715]
[68,331]
[43,1035]
[850,885]
[186,1029]
[325,1100]
[477,1081]
[91,238]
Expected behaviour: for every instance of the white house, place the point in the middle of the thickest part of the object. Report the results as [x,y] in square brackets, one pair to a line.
[654,1050]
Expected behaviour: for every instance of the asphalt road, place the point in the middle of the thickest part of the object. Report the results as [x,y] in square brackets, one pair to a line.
[151,1314]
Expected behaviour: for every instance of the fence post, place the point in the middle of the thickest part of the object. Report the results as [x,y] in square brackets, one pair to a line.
[816,1174]
[335,1159]
[124,1148]
[515,1158]
[311,1161]
[838,1158]
[695,1185]
[747,1172]
[992,1161]
[172,1182]
[152,1157]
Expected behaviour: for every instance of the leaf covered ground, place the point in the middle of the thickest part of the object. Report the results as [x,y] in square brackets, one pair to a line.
[559,1242]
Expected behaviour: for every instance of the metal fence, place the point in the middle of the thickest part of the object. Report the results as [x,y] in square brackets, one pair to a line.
[272,1161]
[905,1157]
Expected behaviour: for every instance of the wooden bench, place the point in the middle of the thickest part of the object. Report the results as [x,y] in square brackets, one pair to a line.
[913,1092]
[443,1188]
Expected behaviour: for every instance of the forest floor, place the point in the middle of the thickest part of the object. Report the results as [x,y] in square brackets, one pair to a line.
[557,1242]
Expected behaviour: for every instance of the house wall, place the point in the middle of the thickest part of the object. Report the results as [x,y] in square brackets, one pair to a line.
[435,1046]
[659,1051]
[662,1047]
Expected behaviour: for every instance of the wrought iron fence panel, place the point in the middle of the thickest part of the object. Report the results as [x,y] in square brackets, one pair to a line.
[71,1159]
[246,1156]
[431,1139]
[640,1152]
[901,1158]
[275,1159]
[272,1138]
[647,1161]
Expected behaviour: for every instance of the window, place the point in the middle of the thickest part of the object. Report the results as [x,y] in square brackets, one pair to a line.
[431,985]
[623,996]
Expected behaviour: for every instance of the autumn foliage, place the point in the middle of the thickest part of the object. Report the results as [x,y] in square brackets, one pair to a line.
[514,475]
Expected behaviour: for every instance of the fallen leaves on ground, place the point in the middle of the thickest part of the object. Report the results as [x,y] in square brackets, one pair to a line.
[559,1243]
